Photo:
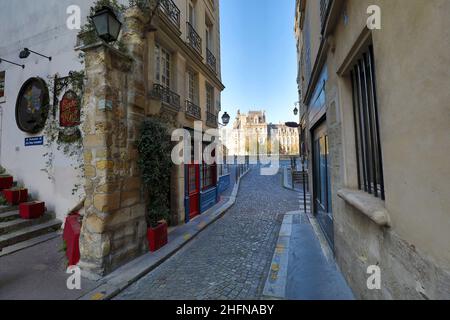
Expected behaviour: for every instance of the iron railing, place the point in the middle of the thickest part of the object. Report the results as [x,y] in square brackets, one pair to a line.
[193,110]
[211,60]
[211,119]
[172,11]
[167,96]
[194,40]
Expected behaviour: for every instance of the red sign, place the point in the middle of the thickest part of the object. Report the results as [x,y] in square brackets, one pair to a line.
[69,110]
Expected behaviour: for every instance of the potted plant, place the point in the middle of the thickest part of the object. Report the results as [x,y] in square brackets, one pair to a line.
[6,180]
[16,195]
[155,165]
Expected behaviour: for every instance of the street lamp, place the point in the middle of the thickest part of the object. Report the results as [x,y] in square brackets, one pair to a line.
[25,53]
[106,24]
[225,119]
[301,152]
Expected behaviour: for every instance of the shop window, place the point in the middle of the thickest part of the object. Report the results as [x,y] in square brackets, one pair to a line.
[209,175]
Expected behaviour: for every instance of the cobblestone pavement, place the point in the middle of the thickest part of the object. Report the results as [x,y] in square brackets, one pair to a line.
[231,258]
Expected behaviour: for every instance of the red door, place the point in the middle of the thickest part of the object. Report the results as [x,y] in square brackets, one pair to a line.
[194,189]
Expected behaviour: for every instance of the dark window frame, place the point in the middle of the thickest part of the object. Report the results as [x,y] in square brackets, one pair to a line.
[3,82]
[367,128]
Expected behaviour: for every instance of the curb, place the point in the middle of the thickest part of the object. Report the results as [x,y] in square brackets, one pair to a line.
[111,285]
[276,281]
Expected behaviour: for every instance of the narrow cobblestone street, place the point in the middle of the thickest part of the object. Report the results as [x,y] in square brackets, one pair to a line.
[231,258]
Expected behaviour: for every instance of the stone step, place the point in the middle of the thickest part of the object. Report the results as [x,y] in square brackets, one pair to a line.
[29,233]
[17,224]
[9,216]
[6,209]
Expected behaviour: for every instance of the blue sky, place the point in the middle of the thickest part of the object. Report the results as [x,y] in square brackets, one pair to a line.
[259,63]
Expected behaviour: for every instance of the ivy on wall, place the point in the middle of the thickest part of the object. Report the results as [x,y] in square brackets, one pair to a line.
[155,164]
[66,140]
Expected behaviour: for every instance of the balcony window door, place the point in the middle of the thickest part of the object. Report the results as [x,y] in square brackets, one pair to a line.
[191,86]
[163,66]
[209,38]
[210,99]
[191,13]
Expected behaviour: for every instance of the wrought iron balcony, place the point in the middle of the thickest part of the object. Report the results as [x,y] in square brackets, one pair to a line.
[194,40]
[211,60]
[193,110]
[167,97]
[172,11]
[211,119]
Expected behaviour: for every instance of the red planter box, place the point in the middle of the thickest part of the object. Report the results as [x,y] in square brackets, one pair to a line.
[157,237]
[6,182]
[31,210]
[71,235]
[15,197]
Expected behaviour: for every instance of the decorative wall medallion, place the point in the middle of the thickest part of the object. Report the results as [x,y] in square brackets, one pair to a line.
[69,110]
[32,106]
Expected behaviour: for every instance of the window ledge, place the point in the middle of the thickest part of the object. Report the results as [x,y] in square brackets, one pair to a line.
[370,206]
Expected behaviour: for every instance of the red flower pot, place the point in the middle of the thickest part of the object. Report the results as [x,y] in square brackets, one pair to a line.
[71,236]
[6,182]
[31,210]
[15,197]
[157,237]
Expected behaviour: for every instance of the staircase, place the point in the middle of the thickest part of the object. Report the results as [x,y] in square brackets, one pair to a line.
[17,233]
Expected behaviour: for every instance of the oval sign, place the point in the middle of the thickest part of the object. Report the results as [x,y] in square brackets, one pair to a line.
[32,106]
[69,110]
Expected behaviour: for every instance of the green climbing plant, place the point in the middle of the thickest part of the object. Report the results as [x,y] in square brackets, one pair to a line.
[155,164]
[66,140]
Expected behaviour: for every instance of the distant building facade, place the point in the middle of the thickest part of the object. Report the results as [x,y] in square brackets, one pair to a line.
[375,127]
[253,126]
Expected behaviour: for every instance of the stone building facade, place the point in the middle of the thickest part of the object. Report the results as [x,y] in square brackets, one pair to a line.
[254,126]
[375,127]
[172,73]
[166,67]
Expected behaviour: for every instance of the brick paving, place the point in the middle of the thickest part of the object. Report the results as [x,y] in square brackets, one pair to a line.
[231,258]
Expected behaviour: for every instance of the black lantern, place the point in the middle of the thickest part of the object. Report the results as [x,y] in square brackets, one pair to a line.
[225,119]
[295,111]
[106,23]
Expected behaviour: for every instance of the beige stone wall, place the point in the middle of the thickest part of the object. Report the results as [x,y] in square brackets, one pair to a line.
[411,55]
[183,59]
[114,227]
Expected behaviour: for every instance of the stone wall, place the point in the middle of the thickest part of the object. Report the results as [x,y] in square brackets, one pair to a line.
[413,254]
[406,273]
[114,226]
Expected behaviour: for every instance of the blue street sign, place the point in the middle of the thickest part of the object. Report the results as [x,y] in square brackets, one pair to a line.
[34,141]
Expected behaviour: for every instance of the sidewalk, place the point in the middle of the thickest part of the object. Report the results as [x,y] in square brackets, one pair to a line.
[303,267]
[39,271]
